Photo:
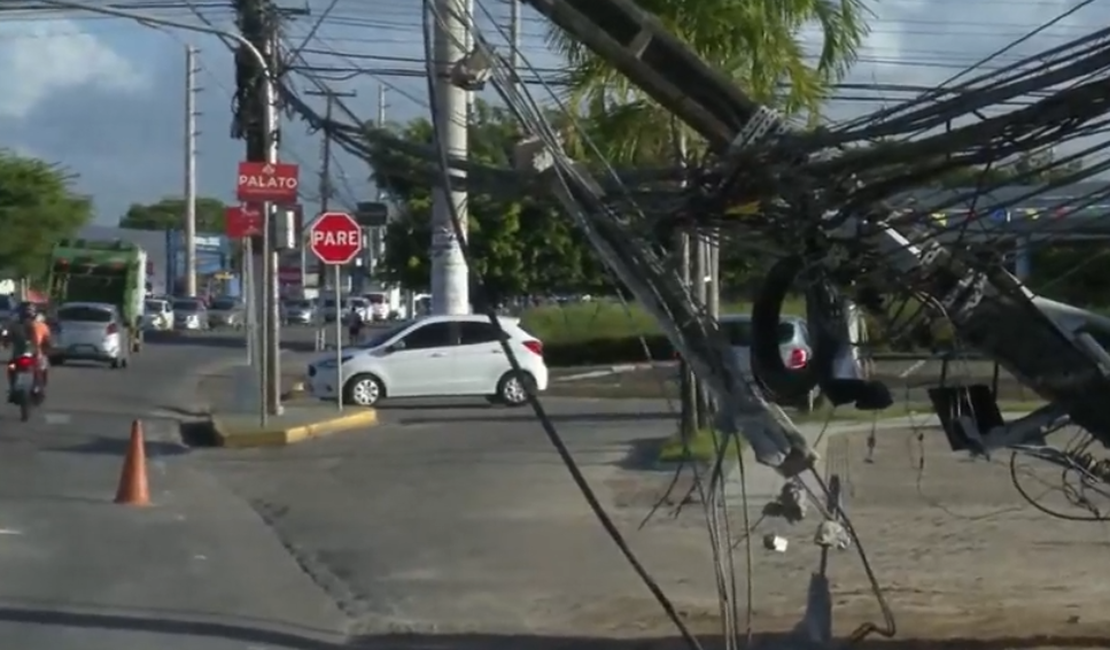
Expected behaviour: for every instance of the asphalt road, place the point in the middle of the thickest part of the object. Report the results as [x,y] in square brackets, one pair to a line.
[454,517]
[196,571]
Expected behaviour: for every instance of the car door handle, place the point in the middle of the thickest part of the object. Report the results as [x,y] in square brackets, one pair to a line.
[497,352]
[437,354]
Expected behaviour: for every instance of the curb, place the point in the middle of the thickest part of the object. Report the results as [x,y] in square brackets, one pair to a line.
[282,436]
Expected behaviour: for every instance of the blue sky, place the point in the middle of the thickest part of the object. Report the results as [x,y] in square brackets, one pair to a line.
[105,96]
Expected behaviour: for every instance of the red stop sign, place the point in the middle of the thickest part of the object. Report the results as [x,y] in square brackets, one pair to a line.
[335,238]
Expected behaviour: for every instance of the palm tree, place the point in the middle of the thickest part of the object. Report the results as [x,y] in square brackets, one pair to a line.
[760,43]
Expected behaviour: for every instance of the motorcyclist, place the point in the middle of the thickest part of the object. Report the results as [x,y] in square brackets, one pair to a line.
[29,335]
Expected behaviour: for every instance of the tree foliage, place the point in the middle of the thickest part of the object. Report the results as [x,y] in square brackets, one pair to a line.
[169,214]
[519,245]
[758,43]
[38,206]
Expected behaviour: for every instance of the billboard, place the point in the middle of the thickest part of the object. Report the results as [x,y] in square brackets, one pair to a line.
[213,257]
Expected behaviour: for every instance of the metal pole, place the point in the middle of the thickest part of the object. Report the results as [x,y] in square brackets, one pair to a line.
[450,277]
[714,301]
[688,382]
[190,172]
[272,336]
[248,291]
[338,342]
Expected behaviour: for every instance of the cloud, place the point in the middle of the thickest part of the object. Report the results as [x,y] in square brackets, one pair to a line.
[36,62]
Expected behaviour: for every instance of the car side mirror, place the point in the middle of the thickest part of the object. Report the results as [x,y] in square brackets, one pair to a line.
[396,347]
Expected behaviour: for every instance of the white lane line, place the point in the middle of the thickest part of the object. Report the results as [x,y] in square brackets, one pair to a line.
[57,419]
[912,369]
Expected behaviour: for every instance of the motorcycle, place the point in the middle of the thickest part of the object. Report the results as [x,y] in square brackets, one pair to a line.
[25,391]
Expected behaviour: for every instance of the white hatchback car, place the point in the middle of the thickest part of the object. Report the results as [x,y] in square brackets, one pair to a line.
[88,331]
[434,356]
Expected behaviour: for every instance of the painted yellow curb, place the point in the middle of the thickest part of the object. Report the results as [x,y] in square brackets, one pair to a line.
[278,437]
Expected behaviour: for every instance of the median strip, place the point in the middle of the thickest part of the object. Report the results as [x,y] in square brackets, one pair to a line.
[297,424]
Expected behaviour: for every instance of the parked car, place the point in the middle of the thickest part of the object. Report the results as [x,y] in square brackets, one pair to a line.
[190,314]
[296,311]
[793,343]
[225,312]
[431,357]
[89,331]
[379,307]
[157,315]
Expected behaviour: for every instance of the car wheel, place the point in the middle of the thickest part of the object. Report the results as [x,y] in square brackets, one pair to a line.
[513,388]
[363,390]
[57,361]
[116,364]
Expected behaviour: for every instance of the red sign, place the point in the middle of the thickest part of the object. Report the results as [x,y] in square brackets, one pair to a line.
[260,181]
[244,221]
[335,238]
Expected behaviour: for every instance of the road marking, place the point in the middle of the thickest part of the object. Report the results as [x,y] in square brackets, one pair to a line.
[917,365]
[57,419]
[10,531]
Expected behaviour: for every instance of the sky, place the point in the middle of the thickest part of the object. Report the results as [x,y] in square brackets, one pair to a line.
[105,96]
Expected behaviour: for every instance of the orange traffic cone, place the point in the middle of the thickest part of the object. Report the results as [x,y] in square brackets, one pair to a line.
[133,488]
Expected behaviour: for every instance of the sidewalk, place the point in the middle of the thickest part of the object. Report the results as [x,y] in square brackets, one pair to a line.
[198,565]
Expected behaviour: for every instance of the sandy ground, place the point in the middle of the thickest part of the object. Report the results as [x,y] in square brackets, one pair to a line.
[962,560]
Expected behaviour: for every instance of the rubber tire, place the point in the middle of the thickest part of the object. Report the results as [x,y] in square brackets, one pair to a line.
[24,409]
[504,382]
[349,387]
[115,364]
[57,361]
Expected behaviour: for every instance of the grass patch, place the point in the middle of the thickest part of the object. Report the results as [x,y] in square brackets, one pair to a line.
[701,448]
[607,319]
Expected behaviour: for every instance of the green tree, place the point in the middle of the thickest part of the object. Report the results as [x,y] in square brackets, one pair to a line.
[169,214]
[37,207]
[520,244]
[759,43]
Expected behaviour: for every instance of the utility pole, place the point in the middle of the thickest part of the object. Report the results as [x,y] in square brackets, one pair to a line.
[326,193]
[377,233]
[514,42]
[450,277]
[190,171]
[701,293]
[256,122]
[688,385]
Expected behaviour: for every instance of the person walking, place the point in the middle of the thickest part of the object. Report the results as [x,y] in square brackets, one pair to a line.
[354,326]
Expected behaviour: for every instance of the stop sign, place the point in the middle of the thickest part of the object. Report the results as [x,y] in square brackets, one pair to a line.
[335,238]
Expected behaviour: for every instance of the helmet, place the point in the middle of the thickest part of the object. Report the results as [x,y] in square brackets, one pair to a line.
[27,310]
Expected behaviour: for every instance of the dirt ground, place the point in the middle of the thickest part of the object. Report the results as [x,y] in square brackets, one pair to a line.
[962,560]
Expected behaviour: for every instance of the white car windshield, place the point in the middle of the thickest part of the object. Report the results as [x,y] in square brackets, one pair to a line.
[382,338]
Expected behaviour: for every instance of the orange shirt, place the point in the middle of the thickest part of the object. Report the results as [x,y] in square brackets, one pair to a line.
[40,334]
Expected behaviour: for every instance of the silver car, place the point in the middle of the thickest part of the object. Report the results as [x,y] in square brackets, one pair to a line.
[793,345]
[189,314]
[225,312]
[89,331]
[297,312]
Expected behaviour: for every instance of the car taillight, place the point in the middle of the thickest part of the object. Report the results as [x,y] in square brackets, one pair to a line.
[536,347]
[112,329]
[798,359]
[24,363]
